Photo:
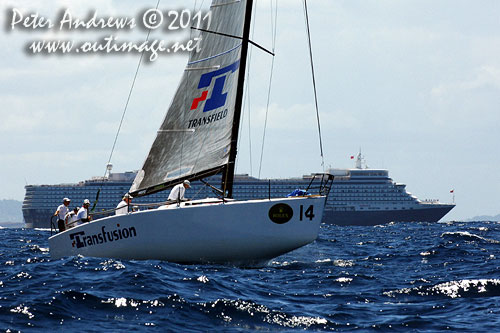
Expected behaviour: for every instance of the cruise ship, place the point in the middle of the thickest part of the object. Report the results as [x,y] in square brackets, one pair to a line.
[359,196]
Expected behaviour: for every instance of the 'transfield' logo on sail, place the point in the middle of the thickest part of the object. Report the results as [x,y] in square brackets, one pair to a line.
[217,98]
[80,239]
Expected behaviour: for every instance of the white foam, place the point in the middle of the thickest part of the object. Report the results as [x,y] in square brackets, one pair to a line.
[469,235]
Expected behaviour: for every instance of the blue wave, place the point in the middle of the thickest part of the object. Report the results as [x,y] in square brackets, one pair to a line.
[397,277]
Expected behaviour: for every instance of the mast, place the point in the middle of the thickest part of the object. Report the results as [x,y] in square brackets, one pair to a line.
[228,173]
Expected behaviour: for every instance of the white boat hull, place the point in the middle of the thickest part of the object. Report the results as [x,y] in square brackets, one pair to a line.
[237,231]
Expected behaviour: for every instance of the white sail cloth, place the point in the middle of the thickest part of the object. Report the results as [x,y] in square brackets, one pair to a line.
[195,135]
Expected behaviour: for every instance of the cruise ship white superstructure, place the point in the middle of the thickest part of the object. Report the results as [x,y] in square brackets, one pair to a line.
[359,196]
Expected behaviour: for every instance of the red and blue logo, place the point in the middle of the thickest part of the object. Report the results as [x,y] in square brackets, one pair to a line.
[217,98]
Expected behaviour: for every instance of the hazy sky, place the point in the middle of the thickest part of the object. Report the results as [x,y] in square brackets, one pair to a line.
[414,84]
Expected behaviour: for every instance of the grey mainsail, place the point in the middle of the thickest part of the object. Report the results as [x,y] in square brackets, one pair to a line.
[194,139]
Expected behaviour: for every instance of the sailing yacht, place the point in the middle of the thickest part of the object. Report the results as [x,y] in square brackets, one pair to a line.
[197,139]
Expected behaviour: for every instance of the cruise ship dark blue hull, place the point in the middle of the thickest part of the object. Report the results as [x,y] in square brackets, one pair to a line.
[41,219]
[353,191]
[369,218]
[38,218]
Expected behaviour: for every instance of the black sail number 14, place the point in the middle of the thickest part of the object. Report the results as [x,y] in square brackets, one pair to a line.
[309,213]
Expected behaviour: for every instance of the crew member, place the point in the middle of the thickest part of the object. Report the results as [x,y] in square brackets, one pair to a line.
[177,193]
[83,214]
[70,218]
[61,212]
[122,207]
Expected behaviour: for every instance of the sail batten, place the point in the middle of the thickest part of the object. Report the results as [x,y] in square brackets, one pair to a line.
[195,137]
[201,68]
[214,56]
[224,3]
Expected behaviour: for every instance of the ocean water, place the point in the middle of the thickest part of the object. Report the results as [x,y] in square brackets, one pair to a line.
[401,277]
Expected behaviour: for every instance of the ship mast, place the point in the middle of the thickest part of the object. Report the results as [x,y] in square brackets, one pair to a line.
[228,173]
[359,161]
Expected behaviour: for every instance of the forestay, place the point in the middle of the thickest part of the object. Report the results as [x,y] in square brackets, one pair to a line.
[194,138]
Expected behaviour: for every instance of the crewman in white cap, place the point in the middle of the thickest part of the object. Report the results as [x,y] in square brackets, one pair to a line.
[61,212]
[122,207]
[177,193]
[71,218]
[83,214]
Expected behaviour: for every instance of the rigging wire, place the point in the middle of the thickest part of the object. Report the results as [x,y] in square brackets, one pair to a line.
[246,101]
[274,28]
[129,95]
[185,98]
[123,115]
[314,83]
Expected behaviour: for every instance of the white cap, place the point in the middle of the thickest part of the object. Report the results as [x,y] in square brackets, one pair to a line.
[186,182]
[86,202]
[127,196]
[66,200]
